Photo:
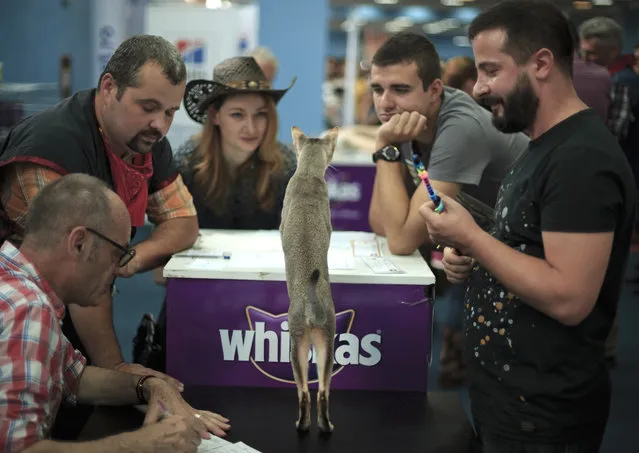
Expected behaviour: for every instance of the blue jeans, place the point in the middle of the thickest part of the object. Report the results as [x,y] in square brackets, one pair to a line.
[454,300]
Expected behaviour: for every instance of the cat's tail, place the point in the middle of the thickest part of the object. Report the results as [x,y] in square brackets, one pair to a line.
[315,315]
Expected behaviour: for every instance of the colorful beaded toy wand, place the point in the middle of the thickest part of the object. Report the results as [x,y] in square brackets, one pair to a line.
[423,175]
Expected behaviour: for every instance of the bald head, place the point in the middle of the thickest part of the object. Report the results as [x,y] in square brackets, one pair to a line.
[74,200]
[267,61]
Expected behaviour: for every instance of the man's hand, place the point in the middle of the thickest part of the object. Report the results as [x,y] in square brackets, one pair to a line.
[453,227]
[160,393]
[131,268]
[456,266]
[137,369]
[402,127]
[172,434]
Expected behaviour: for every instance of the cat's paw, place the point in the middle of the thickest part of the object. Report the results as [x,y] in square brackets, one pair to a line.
[304,418]
[325,426]
[323,420]
[303,424]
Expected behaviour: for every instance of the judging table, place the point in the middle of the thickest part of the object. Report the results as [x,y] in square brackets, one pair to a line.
[365,421]
[227,307]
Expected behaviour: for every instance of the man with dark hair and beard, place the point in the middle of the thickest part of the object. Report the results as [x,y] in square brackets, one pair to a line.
[543,291]
[117,134]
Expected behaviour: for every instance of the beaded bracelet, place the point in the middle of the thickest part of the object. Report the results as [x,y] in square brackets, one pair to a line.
[138,389]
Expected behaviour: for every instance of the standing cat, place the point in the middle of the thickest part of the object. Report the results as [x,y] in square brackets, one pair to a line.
[306,235]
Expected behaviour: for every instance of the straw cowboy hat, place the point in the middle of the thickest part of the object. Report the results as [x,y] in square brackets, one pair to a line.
[231,76]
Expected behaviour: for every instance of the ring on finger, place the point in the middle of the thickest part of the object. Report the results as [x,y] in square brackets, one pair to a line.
[197,415]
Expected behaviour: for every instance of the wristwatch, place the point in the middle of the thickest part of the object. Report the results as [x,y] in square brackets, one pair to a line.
[388,153]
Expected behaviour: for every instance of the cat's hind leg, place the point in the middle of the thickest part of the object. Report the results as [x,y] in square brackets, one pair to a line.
[300,347]
[323,341]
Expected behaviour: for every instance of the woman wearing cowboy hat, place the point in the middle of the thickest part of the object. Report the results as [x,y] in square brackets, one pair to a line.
[236,169]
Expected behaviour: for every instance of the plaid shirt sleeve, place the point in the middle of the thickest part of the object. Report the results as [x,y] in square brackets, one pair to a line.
[171,202]
[620,115]
[24,181]
[73,368]
[29,341]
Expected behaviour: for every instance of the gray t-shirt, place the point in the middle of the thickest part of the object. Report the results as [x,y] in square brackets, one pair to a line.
[467,148]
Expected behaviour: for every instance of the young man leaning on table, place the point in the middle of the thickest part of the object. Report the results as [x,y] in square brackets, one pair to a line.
[76,238]
[451,132]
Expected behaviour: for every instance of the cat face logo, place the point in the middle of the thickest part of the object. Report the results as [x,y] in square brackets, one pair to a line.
[267,345]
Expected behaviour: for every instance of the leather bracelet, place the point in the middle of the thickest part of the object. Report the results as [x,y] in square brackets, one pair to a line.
[138,388]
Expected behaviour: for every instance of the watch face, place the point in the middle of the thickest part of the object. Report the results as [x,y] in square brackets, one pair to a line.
[390,153]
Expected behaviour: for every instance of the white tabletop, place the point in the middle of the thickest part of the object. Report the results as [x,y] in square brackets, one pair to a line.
[354,257]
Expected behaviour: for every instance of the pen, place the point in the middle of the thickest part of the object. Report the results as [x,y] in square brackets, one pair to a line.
[423,175]
[164,412]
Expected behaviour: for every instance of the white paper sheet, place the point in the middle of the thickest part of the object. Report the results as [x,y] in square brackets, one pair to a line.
[214,445]
[340,260]
[218,445]
[208,264]
[380,265]
[363,248]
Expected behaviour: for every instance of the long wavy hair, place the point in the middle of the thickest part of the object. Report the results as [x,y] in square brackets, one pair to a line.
[210,171]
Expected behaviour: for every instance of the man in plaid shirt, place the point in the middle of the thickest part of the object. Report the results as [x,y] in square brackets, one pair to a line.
[68,258]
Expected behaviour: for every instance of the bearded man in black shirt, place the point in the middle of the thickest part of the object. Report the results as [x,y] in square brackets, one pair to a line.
[543,287]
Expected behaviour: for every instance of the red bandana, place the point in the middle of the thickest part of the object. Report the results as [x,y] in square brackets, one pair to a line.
[131,182]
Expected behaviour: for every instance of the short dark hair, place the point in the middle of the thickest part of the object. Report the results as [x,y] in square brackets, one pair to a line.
[135,52]
[410,47]
[76,199]
[530,25]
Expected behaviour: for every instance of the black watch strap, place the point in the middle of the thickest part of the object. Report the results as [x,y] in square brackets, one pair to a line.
[389,153]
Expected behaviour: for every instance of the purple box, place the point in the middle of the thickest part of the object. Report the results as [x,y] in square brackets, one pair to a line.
[235,333]
[350,189]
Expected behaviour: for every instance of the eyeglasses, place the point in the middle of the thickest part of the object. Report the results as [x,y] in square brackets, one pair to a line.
[127,252]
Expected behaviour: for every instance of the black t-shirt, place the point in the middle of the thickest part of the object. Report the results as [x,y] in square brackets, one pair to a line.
[533,378]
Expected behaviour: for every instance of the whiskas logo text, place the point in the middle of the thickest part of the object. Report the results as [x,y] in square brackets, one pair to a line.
[266,345]
[344,191]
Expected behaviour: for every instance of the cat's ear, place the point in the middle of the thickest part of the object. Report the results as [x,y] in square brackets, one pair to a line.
[331,137]
[298,138]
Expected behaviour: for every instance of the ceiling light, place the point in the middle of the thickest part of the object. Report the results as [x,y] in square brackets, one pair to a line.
[386,2]
[602,2]
[441,26]
[461,41]
[398,24]
[452,2]
[582,4]
[218,4]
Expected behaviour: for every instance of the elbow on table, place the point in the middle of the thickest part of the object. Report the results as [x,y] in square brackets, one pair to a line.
[399,247]
[191,232]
